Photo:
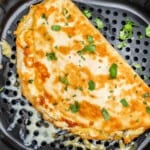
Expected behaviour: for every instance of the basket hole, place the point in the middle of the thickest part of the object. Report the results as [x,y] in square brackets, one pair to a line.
[106,143]
[8,83]
[36,133]
[70,147]
[9,74]
[12,111]
[124,14]
[34,142]
[115,13]
[135,58]
[143,68]
[15,93]
[138,42]
[107,12]
[2,109]
[14,48]
[127,49]
[11,65]
[79,148]
[13,56]
[30,113]
[52,144]
[14,102]
[137,50]
[146,43]
[19,121]
[38,124]
[22,111]
[27,132]
[61,146]
[99,10]
[105,28]
[106,20]
[112,38]
[43,143]
[22,103]
[123,22]
[91,9]
[129,40]
[144,60]
[127,57]
[116,145]
[145,51]
[5,101]
[28,122]
[98,142]
[114,29]
[6,92]
[114,21]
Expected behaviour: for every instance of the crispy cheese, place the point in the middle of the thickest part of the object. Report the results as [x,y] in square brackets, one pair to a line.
[64,64]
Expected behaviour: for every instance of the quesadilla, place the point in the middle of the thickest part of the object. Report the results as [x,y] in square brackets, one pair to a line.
[75,78]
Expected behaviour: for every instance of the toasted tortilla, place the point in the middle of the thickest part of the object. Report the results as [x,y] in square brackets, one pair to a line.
[75,78]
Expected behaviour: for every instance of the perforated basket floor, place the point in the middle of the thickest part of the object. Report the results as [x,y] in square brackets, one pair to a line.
[18,116]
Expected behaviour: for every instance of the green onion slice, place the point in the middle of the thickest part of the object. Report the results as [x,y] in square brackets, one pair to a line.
[105,114]
[113,71]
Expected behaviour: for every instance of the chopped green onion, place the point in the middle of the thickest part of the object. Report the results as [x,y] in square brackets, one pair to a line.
[87,13]
[56,27]
[90,48]
[64,80]
[91,85]
[30,81]
[79,88]
[122,45]
[44,16]
[138,67]
[113,71]
[51,56]
[148,109]
[124,102]
[105,114]
[75,107]
[146,95]
[127,31]
[90,39]
[99,23]
[1,89]
[147,31]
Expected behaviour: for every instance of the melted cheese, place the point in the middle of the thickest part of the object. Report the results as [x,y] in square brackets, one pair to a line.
[60,68]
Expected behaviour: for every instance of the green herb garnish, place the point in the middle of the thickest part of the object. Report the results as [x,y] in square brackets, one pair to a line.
[89,48]
[64,80]
[51,56]
[113,71]
[56,27]
[30,81]
[124,102]
[79,88]
[90,39]
[91,85]
[148,109]
[105,114]
[87,13]
[127,31]
[44,16]
[99,23]
[122,45]
[75,107]
[1,89]
[147,31]
[146,95]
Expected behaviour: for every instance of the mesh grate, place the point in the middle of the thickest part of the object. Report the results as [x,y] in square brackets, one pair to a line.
[17,114]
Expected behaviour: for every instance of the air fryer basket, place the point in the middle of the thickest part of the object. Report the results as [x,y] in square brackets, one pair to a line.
[17,114]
